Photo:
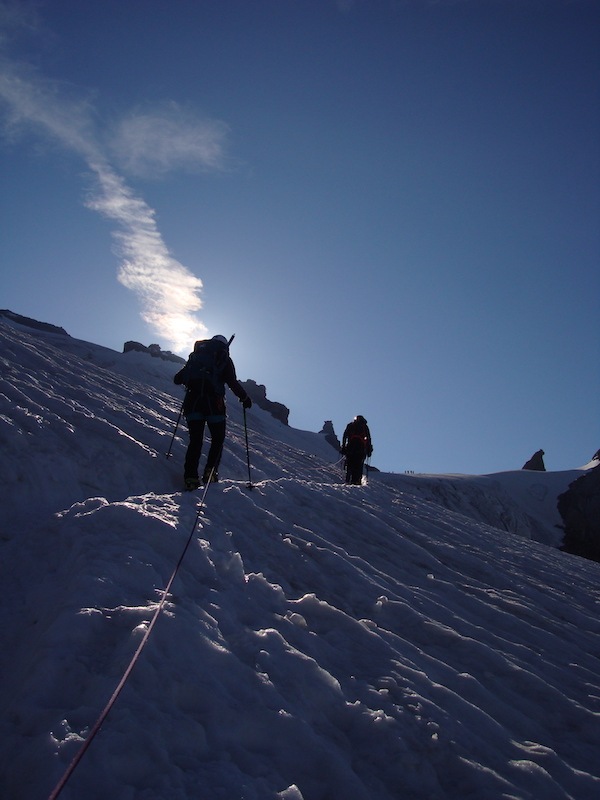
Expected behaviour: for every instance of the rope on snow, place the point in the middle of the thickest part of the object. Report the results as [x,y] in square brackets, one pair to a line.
[98,724]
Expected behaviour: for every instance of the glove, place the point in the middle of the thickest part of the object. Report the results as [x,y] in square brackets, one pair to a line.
[246,402]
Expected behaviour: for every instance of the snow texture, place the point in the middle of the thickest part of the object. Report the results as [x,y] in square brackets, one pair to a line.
[416,637]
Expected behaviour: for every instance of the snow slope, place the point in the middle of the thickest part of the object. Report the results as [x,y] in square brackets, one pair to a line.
[414,638]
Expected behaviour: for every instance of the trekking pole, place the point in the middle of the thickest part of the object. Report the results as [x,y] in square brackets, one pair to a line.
[249,484]
[168,453]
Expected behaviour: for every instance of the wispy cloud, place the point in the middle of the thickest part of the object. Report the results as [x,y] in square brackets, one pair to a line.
[168,291]
[168,138]
[32,102]
[144,144]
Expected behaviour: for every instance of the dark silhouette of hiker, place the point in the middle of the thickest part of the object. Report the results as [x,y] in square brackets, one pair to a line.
[207,371]
[356,446]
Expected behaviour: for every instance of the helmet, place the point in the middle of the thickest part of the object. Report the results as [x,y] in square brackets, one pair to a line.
[221,339]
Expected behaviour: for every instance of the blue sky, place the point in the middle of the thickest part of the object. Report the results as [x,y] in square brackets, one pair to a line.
[393,205]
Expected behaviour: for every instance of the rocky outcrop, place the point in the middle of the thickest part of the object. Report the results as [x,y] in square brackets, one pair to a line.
[258,395]
[579,508]
[154,350]
[536,462]
[32,323]
[329,433]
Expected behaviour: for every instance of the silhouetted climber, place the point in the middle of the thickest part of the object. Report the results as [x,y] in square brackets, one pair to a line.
[356,446]
[207,371]
[536,462]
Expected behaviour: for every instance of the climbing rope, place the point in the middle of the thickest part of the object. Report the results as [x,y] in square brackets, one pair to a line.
[99,722]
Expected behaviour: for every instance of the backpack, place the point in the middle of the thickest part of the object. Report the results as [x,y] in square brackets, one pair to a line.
[357,438]
[205,366]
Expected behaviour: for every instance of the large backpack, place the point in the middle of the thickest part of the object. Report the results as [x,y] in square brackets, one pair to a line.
[205,368]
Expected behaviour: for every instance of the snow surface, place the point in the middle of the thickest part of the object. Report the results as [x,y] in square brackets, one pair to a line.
[416,637]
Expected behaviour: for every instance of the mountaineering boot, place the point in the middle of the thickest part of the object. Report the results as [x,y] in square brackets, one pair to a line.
[210,475]
[191,484]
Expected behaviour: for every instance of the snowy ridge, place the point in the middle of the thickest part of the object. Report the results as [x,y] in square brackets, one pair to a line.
[520,502]
[321,641]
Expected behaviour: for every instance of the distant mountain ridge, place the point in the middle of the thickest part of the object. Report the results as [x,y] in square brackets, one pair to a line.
[28,322]
[257,392]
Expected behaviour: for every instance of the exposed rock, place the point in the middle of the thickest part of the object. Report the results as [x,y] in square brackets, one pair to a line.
[153,350]
[536,462]
[579,508]
[258,395]
[135,346]
[329,434]
[32,323]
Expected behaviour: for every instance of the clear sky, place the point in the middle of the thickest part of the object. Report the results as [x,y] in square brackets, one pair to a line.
[394,206]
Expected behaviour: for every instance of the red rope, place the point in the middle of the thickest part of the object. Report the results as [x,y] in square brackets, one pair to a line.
[98,724]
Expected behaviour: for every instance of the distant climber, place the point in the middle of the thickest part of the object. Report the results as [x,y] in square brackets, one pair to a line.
[356,446]
[536,462]
[205,374]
